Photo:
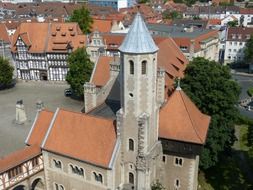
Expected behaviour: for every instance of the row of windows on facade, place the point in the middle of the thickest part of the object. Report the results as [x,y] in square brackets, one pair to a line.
[78,170]
[239,36]
[235,50]
[178,161]
[19,169]
[236,43]
[235,58]
[143,67]
[24,54]
[35,75]
[96,42]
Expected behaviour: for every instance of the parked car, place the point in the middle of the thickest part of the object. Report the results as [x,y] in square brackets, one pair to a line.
[68,92]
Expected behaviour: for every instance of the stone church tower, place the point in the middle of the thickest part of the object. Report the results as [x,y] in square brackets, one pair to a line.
[138,117]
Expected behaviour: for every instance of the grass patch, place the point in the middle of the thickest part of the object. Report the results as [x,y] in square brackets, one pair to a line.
[202,184]
[243,138]
[250,91]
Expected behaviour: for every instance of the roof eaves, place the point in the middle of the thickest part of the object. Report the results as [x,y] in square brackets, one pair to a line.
[50,127]
[114,154]
[30,132]
[81,160]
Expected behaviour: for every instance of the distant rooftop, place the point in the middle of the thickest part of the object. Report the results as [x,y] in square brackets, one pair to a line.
[138,38]
[176,31]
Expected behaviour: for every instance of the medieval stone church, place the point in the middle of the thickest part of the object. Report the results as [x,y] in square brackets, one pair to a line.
[131,133]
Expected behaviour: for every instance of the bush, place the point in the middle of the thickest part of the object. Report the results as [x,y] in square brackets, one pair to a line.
[250,91]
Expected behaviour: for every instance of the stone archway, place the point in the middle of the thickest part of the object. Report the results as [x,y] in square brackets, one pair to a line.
[43,75]
[38,184]
[19,187]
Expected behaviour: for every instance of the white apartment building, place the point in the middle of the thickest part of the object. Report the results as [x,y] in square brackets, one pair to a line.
[235,43]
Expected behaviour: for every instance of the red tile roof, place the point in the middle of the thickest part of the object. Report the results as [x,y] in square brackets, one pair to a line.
[174,66]
[181,120]
[214,21]
[239,33]
[81,136]
[39,128]
[102,71]
[18,157]
[101,25]
[53,36]
[4,34]
[186,42]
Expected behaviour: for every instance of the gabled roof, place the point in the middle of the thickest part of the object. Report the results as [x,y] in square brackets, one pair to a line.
[53,37]
[101,25]
[39,128]
[18,157]
[82,137]
[138,38]
[181,120]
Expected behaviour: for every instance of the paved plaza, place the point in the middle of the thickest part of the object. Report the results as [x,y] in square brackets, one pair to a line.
[12,135]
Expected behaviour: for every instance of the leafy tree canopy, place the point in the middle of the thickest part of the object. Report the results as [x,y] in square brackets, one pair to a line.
[232,23]
[80,69]
[172,15]
[248,51]
[211,88]
[6,72]
[83,18]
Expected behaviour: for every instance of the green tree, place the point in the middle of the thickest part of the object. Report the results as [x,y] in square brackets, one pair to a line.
[171,15]
[156,185]
[80,69]
[232,23]
[6,72]
[212,89]
[248,51]
[83,18]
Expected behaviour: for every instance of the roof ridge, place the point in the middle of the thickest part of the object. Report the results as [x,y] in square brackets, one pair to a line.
[192,122]
[85,114]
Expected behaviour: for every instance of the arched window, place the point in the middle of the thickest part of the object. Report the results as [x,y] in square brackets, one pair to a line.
[177,183]
[98,177]
[143,67]
[131,144]
[131,65]
[131,177]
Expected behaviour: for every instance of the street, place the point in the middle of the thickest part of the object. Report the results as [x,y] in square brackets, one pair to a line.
[245,82]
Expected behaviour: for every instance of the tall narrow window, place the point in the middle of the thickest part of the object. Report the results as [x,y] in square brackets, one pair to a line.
[131,178]
[143,67]
[131,65]
[131,144]
[177,183]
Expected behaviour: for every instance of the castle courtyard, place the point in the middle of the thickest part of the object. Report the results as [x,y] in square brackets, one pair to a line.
[12,135]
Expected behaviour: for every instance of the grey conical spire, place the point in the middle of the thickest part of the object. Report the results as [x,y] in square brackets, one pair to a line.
[138,38]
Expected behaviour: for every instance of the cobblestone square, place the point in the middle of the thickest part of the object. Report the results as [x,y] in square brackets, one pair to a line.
[12,135]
